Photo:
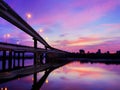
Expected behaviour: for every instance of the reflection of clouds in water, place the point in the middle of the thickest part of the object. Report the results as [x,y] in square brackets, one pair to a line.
[76,76]
[102,67]
[93,73]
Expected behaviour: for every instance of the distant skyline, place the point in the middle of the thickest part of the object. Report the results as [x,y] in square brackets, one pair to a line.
[69,25]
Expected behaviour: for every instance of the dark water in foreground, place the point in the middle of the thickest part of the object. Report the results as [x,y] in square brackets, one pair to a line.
[73,76]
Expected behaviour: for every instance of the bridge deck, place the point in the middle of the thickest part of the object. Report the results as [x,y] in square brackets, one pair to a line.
[14,47]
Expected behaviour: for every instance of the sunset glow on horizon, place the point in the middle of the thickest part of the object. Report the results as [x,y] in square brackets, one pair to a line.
[68,24]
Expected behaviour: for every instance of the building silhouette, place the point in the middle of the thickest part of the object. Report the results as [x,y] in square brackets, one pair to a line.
[99,51]
[82,51]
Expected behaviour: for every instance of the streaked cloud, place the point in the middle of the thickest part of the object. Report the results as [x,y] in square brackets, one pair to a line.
[69,24]
[89,44]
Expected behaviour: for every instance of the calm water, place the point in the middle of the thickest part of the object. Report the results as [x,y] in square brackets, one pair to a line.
[73,76]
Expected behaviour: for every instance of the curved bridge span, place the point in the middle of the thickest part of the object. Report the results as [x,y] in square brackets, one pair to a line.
[7,13]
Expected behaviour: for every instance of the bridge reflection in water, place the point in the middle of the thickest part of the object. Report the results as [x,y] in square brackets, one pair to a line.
[73,76]
[38,84]
[6,76]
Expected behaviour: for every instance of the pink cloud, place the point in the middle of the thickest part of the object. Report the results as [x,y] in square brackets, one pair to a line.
[106,45]
[90,14]
[112,27]
[21,37]
[73,45]
[85,39]
[111,46]
[81,41]
[24,39]
[87,15]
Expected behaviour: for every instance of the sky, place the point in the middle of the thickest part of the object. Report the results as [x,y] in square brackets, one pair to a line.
[68,25]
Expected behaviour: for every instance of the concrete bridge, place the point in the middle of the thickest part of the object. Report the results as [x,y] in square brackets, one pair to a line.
[7,13]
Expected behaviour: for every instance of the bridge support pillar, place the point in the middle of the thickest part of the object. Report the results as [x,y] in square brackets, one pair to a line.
[46,48]
[35,53]
[4,61]
[23,54]
[10,60]
[18,59]
[35,78]
[14,59]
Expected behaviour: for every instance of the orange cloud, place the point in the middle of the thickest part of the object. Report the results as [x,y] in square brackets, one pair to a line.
[82,41]
[89,44]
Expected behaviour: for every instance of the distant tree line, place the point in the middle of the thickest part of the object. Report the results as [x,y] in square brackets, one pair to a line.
[97,55]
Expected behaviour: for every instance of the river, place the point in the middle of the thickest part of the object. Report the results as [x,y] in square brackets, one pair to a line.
[72,76]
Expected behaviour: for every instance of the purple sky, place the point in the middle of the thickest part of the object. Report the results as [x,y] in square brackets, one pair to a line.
[67,24]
